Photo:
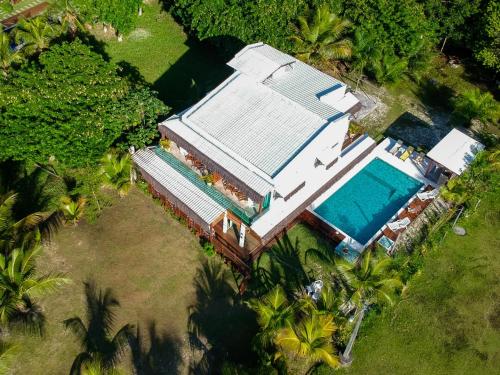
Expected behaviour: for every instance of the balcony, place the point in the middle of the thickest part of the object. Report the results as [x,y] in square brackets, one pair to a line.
[216,191]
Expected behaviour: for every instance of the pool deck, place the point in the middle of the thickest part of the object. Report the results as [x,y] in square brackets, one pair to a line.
[411,166]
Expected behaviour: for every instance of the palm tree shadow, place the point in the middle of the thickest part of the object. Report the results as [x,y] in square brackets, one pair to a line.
[156,354]
[285,258]
[95,335]
[220,325]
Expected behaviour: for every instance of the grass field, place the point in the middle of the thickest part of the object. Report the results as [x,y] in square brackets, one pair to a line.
[180,68]
[449,319]
[150,261]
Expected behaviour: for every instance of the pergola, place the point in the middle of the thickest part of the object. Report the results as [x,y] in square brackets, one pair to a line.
[455,152]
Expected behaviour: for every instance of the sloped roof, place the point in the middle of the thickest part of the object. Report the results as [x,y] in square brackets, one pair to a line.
[195,199]
[259,61]
[254,122]
[236,168]
[455,151]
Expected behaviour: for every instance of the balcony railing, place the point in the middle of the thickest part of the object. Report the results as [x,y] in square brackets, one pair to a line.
[212,192]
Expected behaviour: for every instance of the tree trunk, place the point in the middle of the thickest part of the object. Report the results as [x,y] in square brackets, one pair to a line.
[444,42]
[346,358]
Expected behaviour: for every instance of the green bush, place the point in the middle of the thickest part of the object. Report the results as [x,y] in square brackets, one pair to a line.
[208,249]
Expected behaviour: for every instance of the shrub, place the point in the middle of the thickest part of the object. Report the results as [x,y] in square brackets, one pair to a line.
[208,249]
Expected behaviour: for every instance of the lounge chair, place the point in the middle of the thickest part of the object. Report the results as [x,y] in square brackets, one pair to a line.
[386,243]
[399,224]
[405,155]
[396,147]
[426,195]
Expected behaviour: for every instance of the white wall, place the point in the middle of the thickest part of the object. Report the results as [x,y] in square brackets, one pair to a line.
[302,168]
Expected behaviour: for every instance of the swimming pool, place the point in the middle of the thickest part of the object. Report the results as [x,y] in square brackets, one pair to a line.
[368,200]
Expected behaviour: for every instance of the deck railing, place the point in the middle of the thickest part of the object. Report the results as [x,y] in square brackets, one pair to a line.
[194,178]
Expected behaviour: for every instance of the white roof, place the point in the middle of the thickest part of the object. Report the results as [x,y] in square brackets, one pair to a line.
[259,61]
[455,151]
[254,122]
[264,114]
[239,169]
[194,198]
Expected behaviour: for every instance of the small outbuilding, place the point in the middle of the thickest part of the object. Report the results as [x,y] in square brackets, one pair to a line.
[453,154]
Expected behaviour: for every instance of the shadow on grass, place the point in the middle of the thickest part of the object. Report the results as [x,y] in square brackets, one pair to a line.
[155,354]
[416,132]
[220,326]
[195,73]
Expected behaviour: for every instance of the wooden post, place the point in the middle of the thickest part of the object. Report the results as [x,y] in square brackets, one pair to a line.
[242,235]
[225,224]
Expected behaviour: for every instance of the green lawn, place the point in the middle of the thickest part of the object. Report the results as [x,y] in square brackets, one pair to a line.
[153,264]
[180,68]
[449,319]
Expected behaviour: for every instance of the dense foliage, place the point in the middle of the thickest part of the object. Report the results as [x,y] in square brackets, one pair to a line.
[392,38]
[73,105]
[121,14]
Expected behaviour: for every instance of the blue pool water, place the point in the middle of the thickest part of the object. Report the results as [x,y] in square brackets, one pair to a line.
[368,200]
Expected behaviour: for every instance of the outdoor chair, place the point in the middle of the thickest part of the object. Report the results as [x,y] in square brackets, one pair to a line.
[399,224]
[426,195]
[396,147]
[405,155]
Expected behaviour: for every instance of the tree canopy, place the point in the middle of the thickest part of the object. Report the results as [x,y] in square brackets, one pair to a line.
[121,14]
[73,105]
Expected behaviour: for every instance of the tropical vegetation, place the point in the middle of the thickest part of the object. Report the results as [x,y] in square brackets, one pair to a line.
[319,36]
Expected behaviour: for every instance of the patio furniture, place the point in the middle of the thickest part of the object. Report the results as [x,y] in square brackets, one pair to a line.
[420,158]
[396,147]
[386,243]
[405,155]
[314,290]
[399,224]
[426,195]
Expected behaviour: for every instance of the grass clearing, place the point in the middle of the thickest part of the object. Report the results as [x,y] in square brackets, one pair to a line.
[179,68]
[449,320]
[150,261]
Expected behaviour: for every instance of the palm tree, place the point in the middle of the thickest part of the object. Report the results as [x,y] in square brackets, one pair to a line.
[8,55]
[309,339]
[73,208]
[274,312]
[96,337]
[319,36]
[477,105]
[25,231]
[96,367]
[7,356]
[34,34]
[116,172]
[371,281]
[68,17]
[19,286]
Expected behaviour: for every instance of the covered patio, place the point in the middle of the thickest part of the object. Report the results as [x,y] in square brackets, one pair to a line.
[453,154]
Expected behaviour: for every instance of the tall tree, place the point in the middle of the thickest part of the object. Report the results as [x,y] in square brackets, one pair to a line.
[96,336]
[77,106]
[15,231]
[274,312]
[320,36]
[20,286]
[309,339]
[115,171]
[68,16]
[8,55]
[34,34]
[371,281]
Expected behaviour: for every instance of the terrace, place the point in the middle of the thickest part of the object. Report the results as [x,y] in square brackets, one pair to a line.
[213,183]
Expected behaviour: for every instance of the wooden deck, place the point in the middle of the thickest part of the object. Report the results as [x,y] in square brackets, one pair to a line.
[413,210]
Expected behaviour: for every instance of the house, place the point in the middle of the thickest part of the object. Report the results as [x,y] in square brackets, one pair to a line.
[246,160]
